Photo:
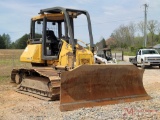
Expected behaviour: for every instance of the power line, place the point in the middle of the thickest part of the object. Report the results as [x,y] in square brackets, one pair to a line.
[97,23]
[119,20]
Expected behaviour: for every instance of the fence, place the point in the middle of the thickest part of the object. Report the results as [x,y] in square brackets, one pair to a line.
[118,55]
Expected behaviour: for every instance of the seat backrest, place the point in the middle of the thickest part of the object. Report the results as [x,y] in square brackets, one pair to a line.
[50,35]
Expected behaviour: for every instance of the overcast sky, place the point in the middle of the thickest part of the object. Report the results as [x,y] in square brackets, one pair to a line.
[106,15]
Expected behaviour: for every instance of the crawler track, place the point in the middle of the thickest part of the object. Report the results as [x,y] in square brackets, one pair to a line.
[39,82]
[33,95]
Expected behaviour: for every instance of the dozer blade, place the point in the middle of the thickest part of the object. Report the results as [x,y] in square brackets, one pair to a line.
[93,85]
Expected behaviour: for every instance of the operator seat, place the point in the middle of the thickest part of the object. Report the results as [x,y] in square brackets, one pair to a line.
[54,42]
[51,36]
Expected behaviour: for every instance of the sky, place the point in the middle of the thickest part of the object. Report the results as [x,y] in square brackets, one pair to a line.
[106,15]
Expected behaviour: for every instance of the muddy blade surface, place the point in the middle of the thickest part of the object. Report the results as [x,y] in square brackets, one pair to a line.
[93,85]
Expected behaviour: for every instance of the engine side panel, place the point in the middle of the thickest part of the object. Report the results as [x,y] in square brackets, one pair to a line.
[32,53]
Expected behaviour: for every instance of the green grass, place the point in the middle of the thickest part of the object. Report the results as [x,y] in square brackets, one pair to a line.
[129,53]
[4,79]
[9,62]
[9,59]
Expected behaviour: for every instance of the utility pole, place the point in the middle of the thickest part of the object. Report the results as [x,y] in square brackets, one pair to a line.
[145,24]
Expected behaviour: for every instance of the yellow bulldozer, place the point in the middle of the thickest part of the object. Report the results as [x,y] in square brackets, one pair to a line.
[64,70]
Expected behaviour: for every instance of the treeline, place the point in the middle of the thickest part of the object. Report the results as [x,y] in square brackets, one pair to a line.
[5,42]
[131,36]
[126,37]
[101,44]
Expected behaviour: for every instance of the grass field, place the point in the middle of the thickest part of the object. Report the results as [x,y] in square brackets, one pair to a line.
[9,59]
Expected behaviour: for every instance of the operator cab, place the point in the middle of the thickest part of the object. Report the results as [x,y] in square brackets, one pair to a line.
[46,29]
[56,24]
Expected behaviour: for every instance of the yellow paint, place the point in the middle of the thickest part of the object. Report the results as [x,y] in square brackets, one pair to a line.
[54,16]
[32,53]
[83,56]
[63,57]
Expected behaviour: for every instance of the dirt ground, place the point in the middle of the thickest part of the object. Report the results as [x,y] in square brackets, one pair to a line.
[17,106]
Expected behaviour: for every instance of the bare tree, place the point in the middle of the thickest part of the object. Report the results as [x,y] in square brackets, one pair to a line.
[125,35]
[152,26]
[132,29]
[119,35]
[158,29]
[140,26]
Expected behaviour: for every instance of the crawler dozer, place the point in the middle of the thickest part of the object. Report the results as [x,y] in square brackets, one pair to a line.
[62,69]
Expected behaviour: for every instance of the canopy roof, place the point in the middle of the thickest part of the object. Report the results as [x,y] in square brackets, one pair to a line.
[57,13]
